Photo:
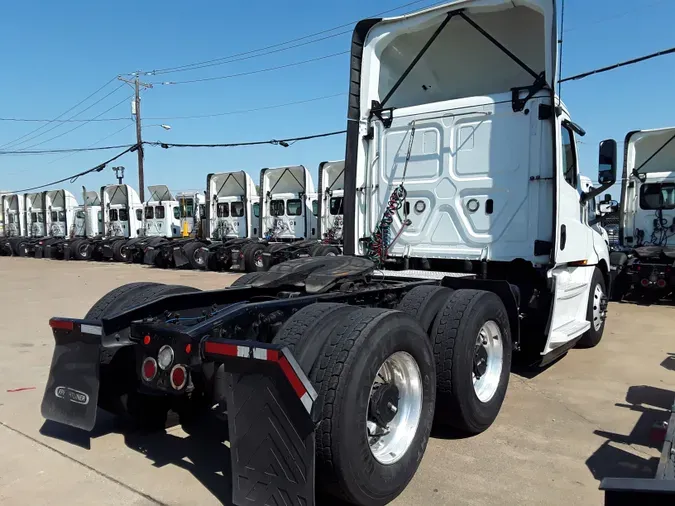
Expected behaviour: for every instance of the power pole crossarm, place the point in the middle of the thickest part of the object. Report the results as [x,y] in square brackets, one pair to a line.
[137,84]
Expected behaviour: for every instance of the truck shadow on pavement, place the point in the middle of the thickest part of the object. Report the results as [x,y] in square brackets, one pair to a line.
[620,456]
[199,449]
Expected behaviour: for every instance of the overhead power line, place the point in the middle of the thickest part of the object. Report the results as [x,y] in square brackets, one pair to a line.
[94,144]
[59,116]
[61,124]
[32,120]
[266,49]
[619,65]
[276,142]
[66,150]
[259,71]
[74,177]
[125,99]
[245,111]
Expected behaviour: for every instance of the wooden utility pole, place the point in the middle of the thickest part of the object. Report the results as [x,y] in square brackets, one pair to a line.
[136,83]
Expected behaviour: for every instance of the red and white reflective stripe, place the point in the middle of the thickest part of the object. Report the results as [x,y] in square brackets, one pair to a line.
[290,368]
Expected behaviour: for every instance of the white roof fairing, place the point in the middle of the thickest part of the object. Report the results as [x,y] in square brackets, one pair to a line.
[651,151]
[471,64]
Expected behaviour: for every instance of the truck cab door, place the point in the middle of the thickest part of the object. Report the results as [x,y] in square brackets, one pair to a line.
[571,277]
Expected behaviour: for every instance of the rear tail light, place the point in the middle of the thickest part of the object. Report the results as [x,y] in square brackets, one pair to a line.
[644,282]
[178,377]
[149,369]
[661,283]
[165,357]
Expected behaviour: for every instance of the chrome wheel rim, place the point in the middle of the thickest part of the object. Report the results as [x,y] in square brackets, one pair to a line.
[488,361]
[598,311]
[394,408]
[259,259]
[198,257]
[330,254]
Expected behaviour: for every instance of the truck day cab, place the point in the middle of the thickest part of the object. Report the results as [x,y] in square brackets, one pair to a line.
[646,261]
[169,222]
[464,242]
[232,221]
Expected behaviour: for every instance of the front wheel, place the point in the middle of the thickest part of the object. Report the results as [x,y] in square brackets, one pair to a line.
[596,311]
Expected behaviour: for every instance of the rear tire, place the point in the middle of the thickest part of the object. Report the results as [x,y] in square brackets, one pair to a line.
[195,257]
[305,333]
[594,312]
[466,317]
[352,359]
[424,302]
[120,251]
[326,250]
[253,260]
[22,249]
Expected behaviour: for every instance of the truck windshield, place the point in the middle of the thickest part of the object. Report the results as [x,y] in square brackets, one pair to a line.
[294,207]
[79,215]
[277,207]
[33,217]
[159,212]
[336,205]
[149,213]
[55,216]
[176,213]
[657,196]
[237,209]
[112,215]
[62,216]
[223,210]
[124,214]
[256,210]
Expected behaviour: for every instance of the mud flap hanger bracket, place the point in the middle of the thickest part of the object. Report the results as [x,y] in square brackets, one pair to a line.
[386,115]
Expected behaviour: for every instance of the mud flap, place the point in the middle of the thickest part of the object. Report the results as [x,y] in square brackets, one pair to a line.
[150,255]
[39,251]
[71,394]
[180,259]
[269,404]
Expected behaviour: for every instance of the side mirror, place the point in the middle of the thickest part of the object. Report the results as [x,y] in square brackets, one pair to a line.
[607,162]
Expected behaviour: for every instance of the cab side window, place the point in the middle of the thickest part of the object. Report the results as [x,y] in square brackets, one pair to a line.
[569,157]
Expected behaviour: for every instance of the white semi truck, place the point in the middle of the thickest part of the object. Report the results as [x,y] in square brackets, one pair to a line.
[121,220]
[464,244]
[290,217]
[331,202]
[14,222]
[232,221]
[645,262]
[168,222]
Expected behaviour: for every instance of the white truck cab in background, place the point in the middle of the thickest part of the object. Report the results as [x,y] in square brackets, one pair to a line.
[233,206]
[34,205]
[645,262]
[286,204]
[331,197]
[464,160]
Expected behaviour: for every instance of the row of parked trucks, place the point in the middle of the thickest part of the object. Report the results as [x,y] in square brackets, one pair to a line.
[468,242]
[227,225]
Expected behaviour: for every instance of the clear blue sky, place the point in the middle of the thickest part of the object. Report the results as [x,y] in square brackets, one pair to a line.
[57,53]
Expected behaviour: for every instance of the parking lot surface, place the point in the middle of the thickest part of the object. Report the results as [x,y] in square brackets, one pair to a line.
[560,431]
